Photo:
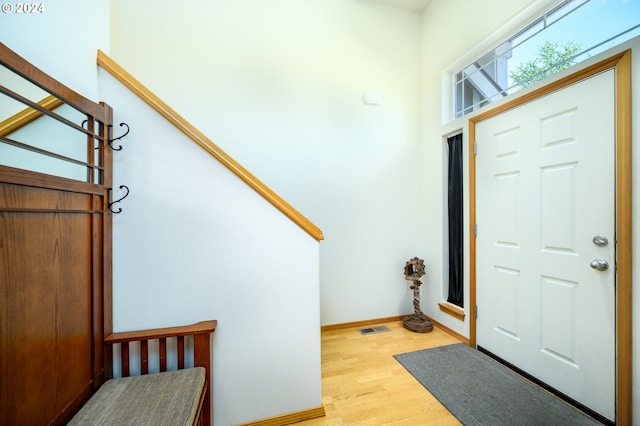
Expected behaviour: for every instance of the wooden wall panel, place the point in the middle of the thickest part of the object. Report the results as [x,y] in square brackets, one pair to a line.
[31,198]
[46,294]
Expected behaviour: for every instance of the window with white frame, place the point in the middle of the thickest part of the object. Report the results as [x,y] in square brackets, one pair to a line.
[569,33]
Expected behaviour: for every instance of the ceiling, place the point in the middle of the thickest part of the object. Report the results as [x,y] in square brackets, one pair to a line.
[413,5]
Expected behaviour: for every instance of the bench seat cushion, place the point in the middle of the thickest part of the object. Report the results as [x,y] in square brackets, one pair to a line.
[169,398]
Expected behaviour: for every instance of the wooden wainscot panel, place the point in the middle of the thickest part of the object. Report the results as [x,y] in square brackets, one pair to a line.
[19,197]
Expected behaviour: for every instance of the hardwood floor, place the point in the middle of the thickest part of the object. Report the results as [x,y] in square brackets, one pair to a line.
[362,384]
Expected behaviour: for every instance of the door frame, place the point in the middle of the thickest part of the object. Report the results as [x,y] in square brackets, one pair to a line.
[621,63]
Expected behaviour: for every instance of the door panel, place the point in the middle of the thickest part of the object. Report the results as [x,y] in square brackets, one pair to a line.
[545,185]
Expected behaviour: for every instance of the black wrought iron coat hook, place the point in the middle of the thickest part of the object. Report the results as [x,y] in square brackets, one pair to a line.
[119,147]
[111,203]
[110,141]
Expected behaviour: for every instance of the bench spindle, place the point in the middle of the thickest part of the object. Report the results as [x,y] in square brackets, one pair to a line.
[144,357]
[163,354]
[124,358]
[180,352]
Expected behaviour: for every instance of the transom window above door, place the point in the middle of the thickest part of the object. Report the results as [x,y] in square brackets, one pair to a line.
[570,32]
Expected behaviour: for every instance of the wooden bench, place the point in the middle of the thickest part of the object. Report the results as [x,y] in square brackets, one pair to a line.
[179,397]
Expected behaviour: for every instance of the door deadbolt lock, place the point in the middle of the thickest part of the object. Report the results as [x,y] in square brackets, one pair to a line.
[600,241]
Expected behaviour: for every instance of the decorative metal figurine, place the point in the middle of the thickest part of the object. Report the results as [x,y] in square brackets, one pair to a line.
[414,270]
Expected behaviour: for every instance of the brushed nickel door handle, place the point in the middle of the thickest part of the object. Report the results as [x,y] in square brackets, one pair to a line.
[599,264]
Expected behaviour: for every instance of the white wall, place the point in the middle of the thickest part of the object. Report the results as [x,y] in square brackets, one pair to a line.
[278,85]
[62,41]
[193,242]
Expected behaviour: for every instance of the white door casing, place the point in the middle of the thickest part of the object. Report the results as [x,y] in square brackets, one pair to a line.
[545,185]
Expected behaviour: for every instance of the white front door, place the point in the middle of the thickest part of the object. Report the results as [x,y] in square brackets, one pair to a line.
[545,188]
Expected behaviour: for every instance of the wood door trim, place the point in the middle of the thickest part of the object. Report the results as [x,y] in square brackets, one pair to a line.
[621,63]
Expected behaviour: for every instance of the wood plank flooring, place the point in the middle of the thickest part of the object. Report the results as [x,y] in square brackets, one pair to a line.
[362,384]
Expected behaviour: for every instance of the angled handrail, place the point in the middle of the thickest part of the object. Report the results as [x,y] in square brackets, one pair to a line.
[129,81]
[27,115]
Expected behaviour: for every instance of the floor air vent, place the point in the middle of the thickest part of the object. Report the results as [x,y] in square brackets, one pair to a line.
[372,330]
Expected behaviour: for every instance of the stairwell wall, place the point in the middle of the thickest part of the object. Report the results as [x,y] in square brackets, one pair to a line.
[279,85]
[59,42]
[195,242]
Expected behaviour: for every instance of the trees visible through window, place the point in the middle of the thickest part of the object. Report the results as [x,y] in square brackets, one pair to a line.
[567,34]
